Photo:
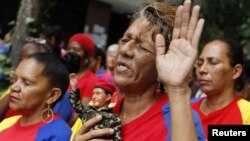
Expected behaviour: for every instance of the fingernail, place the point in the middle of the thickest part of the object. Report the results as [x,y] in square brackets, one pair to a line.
[111,131]
[99,117]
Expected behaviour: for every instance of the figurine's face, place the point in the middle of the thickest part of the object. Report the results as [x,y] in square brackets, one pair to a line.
[100,99]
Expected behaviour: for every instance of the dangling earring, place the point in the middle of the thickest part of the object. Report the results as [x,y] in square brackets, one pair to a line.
[47,115]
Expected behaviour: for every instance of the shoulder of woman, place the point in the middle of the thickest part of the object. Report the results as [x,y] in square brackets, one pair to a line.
[8,122]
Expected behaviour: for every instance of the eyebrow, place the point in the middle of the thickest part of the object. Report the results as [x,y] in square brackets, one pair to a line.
[30,78]
[208,58]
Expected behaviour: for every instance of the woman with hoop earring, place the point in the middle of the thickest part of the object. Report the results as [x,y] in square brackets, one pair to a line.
[39,81]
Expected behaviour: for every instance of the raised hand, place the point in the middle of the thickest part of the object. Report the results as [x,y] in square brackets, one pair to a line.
[73,81]
[175,65]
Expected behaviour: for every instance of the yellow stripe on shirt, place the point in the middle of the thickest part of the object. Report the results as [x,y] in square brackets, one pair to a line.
[244,107]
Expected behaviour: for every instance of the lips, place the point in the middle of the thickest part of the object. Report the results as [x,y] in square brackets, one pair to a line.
[12,98]
[122,67]
[203,81]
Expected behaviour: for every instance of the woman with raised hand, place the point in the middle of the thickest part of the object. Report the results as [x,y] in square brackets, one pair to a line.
[150,54]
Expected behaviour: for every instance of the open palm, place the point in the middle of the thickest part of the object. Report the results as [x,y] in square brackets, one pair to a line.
[175,65]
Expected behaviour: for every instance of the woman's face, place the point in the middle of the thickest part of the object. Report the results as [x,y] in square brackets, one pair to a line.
[30,89]
[135,62]
[214,72]
[75,47]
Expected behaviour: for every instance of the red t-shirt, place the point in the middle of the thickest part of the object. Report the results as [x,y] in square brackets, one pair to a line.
[150,126]
[237,112]
[86,84]
[57,129]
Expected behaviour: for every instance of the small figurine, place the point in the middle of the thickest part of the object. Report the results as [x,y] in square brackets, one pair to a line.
[101,98]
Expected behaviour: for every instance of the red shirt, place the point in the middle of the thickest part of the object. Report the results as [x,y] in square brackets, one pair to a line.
[57,129]
[152,125]
[237,112]
[86,84]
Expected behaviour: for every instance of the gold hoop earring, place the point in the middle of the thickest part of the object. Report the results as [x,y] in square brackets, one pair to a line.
[47,115]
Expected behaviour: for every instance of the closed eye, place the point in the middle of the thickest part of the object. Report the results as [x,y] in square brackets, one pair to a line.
[143,48]
[124,40]
[213,61]
[26,83]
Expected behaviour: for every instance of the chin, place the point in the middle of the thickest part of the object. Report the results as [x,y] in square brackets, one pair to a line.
[94,105]
[121,81]
[206,90]
[12,106]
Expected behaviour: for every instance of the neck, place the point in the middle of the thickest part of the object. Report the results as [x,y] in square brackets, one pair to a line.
[100,108]
[217,101]
[136,104]
[30,119]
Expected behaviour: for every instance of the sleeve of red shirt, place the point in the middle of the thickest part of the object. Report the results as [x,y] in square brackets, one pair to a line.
[87,85]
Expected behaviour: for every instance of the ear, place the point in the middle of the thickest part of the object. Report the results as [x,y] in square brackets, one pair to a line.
[54,95]
[109,96]
[237,71]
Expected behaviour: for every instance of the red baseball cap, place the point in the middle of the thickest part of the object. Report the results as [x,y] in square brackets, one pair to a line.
[85,41]
[102,83]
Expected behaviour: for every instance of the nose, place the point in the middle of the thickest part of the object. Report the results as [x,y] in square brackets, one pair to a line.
[14,87]
[203,68]
[127,49]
